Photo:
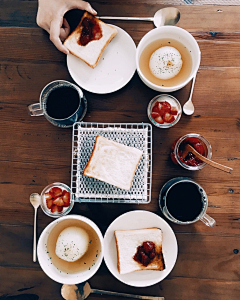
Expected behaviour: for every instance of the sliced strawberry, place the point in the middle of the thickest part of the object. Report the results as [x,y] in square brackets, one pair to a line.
[168,118]
[58,201]
[161,109]
[59,208]
[159,119]
[66,198]
[154,114]
[49,203]
[56,192]
[174,111]
[54,209]
[48,196]
[155,108]
[166,106]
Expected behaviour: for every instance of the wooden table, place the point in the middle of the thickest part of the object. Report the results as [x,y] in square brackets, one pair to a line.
[34,153]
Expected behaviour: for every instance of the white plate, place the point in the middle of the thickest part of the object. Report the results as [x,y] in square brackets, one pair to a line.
[136,220]
[114,70]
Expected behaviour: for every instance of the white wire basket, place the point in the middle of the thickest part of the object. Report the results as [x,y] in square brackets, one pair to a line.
[86,189]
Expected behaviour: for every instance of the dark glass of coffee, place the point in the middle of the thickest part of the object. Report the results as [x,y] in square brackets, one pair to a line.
[184,201]
[62,102]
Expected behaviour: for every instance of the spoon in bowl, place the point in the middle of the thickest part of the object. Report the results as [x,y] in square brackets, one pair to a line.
[188,107]
[164,16]
[83,290]
[35,201]
[188,148]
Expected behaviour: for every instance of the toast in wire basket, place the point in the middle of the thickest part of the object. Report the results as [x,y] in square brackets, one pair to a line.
[113,163]
[87,189]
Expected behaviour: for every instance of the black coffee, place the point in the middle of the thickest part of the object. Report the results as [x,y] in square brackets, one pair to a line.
[184,201]
[62,102]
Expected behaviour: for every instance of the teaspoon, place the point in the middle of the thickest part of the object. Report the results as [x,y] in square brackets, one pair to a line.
[35,201]
[164,16]
[83,290]
[188,107]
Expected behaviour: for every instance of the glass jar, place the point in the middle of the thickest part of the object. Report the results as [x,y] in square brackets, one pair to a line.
[191,162]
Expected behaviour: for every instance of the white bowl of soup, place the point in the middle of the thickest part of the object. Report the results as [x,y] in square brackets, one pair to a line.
[167,58]
[70,249]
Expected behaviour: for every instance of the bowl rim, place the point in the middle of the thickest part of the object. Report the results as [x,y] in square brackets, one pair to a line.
[164,88]
[41,244]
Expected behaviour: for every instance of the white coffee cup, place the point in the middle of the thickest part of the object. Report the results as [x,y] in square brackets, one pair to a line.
[173,33]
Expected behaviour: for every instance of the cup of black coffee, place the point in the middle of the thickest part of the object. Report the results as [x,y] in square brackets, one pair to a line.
[61,102]
[183,201]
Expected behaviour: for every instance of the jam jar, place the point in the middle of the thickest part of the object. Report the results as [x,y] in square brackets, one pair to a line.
[191,162]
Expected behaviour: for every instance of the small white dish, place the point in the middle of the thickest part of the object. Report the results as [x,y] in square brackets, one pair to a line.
[114,70]
[175,33]
[136,220]
[47,264]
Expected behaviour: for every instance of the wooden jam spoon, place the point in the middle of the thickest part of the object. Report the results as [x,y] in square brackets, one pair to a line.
[83,290]
[188,148]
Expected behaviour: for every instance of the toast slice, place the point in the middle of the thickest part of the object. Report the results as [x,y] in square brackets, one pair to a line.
[128,241]
[113,163]
[99,33]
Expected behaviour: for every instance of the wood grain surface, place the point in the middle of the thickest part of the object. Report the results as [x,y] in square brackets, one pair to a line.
[34,153]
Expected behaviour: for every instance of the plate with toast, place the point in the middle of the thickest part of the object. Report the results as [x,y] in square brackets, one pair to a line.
[103,63]
[129,234]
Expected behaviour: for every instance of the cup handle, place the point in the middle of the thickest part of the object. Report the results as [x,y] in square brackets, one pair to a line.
[35,110]
[207,220]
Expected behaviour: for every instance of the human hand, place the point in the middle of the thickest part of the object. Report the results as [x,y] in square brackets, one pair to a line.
[50,17]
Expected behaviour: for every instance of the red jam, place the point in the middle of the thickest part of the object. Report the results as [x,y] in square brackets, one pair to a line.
[162,112]
[145,253]
[190,159]
[91,31]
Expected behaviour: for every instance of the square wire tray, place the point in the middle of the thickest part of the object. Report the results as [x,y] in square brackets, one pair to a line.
[86,189]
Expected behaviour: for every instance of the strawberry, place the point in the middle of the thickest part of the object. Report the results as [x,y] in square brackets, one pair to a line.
[58,201]
[166,106]
[154,114]
[159,119]
[59,208]
[54,209]
[168,118]
[174,111]
[48,196]
[66,198]
[49,203]
[155,108]
[56,192]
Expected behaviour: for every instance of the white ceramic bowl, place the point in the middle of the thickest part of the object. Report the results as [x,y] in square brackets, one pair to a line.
[175,33]
[48,266]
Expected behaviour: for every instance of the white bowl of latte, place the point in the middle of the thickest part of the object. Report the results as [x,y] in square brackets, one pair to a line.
[178,38]
[67,272]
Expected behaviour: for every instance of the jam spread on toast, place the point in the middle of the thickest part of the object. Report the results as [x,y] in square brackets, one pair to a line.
[145,253]
[91,31]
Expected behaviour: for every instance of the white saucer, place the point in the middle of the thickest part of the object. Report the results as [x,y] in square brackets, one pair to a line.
[136,220]
[114,70]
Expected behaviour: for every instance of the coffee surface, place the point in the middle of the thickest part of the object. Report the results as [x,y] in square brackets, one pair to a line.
[62,102]
[184,201]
